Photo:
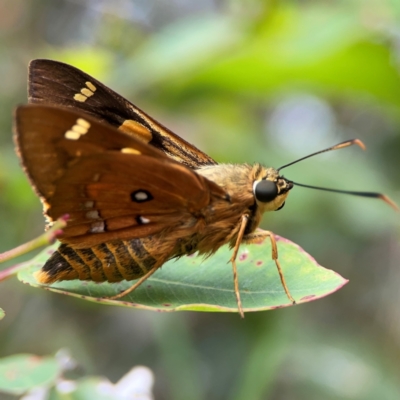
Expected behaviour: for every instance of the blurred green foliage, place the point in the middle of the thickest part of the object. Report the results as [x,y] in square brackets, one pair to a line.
[38,378]
[245,81]
[21,372]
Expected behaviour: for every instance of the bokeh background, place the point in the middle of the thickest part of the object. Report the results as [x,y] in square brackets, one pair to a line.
[245,81]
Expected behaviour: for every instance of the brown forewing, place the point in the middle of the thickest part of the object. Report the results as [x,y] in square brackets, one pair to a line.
[46,153]
[60,84]
[93,180]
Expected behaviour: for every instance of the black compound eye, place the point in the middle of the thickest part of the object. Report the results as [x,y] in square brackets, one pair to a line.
[265,191]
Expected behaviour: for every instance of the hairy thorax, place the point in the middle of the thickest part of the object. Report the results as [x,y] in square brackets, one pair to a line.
[221,220]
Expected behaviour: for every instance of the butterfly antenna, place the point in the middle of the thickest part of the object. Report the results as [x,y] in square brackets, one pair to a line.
[342,145]
[372,195]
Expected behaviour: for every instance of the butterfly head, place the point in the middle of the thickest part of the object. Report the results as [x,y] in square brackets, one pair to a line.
[271,190]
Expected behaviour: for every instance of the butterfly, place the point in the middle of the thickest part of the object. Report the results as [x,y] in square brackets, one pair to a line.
[137,194]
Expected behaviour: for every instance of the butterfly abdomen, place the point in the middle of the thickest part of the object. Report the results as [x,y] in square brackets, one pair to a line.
[107,262]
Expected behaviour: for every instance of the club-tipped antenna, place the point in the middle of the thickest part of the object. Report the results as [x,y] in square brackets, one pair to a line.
[342,145]
[372,195]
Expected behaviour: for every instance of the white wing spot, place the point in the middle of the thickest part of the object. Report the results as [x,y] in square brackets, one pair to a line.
[144,220]
[97,227]
[140,196]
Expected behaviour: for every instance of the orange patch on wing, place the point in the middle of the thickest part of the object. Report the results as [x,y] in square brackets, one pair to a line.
[136,130]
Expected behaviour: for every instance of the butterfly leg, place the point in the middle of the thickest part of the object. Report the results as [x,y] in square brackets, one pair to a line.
[260,235]
[240,235]
[136,285]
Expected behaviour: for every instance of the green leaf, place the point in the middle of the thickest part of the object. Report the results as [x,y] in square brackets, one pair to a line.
[2,313]
[21,372]
[198,284]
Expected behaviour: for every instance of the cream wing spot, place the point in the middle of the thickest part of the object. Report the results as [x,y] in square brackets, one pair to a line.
[72,135]
[87,92]
[80,97]
[83,122]
[91,86]
[129,150]
[80,128]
